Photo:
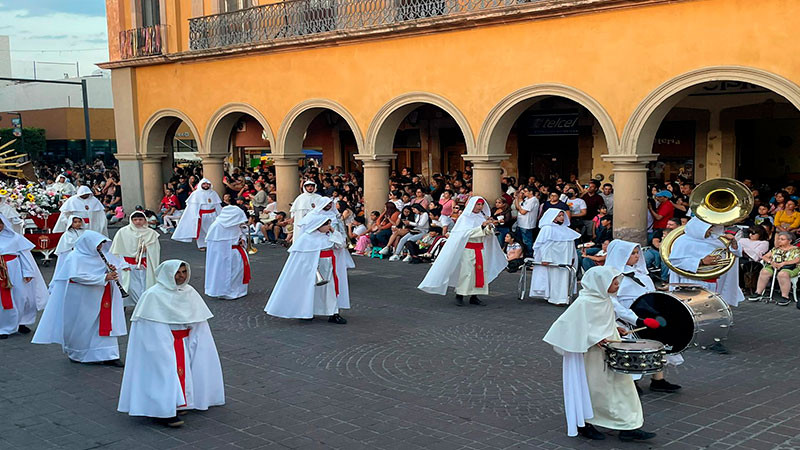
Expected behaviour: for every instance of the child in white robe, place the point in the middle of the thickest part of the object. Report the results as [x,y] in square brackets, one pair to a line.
[22,288]
[172,362]
[84,312]
[138,246]
[471,257]
[554,248]
[202,207]
[296,294]
[594,394]
[227,263]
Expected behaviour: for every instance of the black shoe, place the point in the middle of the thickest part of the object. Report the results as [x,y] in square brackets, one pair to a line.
[23,329]
[635,435]
[172,422]
[3,336]
[590,432]
[638,389]
[459,300]
[784,301]
[756,297]
[663,386]
[474,300]
[719,347]
[113,363]
[337,319]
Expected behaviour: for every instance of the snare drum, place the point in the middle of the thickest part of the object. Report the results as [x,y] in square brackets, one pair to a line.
[694,316]
[642,357]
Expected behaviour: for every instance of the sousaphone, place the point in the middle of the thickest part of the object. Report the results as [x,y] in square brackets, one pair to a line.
[719,201]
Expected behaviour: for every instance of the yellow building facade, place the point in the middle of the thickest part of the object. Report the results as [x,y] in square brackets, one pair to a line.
[622,67]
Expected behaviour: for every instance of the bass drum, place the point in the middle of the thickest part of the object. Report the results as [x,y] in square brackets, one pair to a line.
[693,315]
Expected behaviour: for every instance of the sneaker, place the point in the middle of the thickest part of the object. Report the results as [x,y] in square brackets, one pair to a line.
[407,258]
[394,258]
[590,432]
[385,250]
[783,301]
[337,319]
[635,435]
[755,297]
[663,386]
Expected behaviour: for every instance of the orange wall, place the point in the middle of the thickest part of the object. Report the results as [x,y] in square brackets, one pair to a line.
[66,123]
[617,57]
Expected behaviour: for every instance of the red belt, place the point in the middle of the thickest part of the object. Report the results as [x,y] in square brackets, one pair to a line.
[86,219]
[5,289]
[332,256]
[180,359]
[105,311]
[245,262]
[132,261]
[478,248]
[200,220]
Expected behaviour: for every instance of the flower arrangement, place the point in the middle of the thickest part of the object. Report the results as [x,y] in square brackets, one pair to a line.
[30,199]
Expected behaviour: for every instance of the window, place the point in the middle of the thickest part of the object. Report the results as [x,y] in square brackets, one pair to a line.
[235,5]
[151,13]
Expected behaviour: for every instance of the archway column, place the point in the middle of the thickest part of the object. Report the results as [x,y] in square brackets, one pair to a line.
[130,172]
[153,177]
[630,196]
[287,180]
[376,181]
[214,170]
[486,174]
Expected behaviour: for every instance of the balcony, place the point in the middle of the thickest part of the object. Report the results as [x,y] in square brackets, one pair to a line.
[139,42]
[291,19]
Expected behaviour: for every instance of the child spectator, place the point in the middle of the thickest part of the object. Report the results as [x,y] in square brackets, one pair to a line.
[515,253]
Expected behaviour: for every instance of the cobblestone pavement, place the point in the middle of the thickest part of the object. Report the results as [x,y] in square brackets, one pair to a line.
[408,371]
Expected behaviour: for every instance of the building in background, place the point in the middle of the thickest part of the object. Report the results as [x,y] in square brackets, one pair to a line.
[625,90]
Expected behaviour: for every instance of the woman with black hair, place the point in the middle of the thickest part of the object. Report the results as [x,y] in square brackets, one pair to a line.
[399,229]
[417,228]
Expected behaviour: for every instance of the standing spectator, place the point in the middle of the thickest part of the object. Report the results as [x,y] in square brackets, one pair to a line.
[553,201]
[527,216]
[608,197]
[579,211]
[663,211]
[260,200]
[501,214]
[592,199]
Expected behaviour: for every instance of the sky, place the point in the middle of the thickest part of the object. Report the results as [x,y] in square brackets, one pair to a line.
[54,31]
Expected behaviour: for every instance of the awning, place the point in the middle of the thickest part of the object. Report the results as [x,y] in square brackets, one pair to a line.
[186,156]
[314,154]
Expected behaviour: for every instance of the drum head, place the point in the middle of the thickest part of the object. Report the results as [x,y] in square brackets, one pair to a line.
[642,345]
[679,330]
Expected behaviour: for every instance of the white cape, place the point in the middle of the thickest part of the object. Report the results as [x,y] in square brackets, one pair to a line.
[90,209]
[200,199]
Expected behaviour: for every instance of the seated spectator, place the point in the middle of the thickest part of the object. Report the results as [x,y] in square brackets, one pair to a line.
[754,246]
[604,230]
[778,201]
[501,214]
[762,215]
[652,257]
[784,258]
[446,202]
[272,204]
[357,233]
[788,219]
[399,230]
[420,199]
[386,221]
[593,256]
[118,216]
[417,228]
[663,210]
[277,228]
[601,212]
[463,195]
[419,249]
[440,220]
[255,229]
[515,252]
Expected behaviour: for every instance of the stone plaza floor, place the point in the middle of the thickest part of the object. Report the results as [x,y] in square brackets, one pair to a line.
[409,371]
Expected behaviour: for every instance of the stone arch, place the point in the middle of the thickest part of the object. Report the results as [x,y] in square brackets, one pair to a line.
[382,129]
[495,129]
[640,130]
[294,125]
[159,127]
[221,123]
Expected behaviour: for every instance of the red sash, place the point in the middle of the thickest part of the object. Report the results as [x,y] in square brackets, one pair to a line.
[105,312]
[180,358]
[132,261]
[5,292]
[332,256]
[86,220]
[245,261]
[200,220]
[478,248]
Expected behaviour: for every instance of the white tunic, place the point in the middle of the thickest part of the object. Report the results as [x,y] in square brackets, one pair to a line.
[89,209]
[202,207]
[225,259]
[552,283]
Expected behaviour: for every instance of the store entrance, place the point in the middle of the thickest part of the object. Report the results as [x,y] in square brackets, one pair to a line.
[547,157]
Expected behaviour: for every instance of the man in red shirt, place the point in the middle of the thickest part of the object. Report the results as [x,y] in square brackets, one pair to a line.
[664,210]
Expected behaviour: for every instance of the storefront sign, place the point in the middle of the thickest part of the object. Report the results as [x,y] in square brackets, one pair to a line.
[565,124]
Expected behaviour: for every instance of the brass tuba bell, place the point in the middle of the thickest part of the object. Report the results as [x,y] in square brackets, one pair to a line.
[719,201]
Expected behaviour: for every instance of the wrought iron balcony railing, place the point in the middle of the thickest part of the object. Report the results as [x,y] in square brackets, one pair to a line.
[138,42]
[273,22]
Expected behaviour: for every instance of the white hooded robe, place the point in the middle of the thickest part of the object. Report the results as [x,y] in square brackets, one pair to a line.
[555,244]
[21,300]
[202,207]
[304,203]
[10,213]
[127,245]
[227,263]
[89,209]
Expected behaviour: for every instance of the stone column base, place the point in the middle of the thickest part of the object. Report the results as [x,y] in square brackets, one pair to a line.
[630,196]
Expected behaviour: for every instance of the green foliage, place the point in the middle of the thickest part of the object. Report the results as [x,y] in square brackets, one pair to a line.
[32,142]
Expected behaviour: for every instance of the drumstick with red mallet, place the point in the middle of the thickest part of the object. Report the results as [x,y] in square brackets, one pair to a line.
[650,323]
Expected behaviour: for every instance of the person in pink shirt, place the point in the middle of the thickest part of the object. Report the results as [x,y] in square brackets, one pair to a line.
[446,202]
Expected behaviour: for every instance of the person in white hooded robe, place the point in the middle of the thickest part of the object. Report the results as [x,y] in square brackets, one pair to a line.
[66,243]
[84,313]
[693,249]
[22,288]
[342,260]
[470,259]
[62,186]
[305,202]
[10,213]
[227,263]
[554,247]
[296,294]
[627,258]
[137,244]
[86,206]
[202,207]
[594,394]
[172,362]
